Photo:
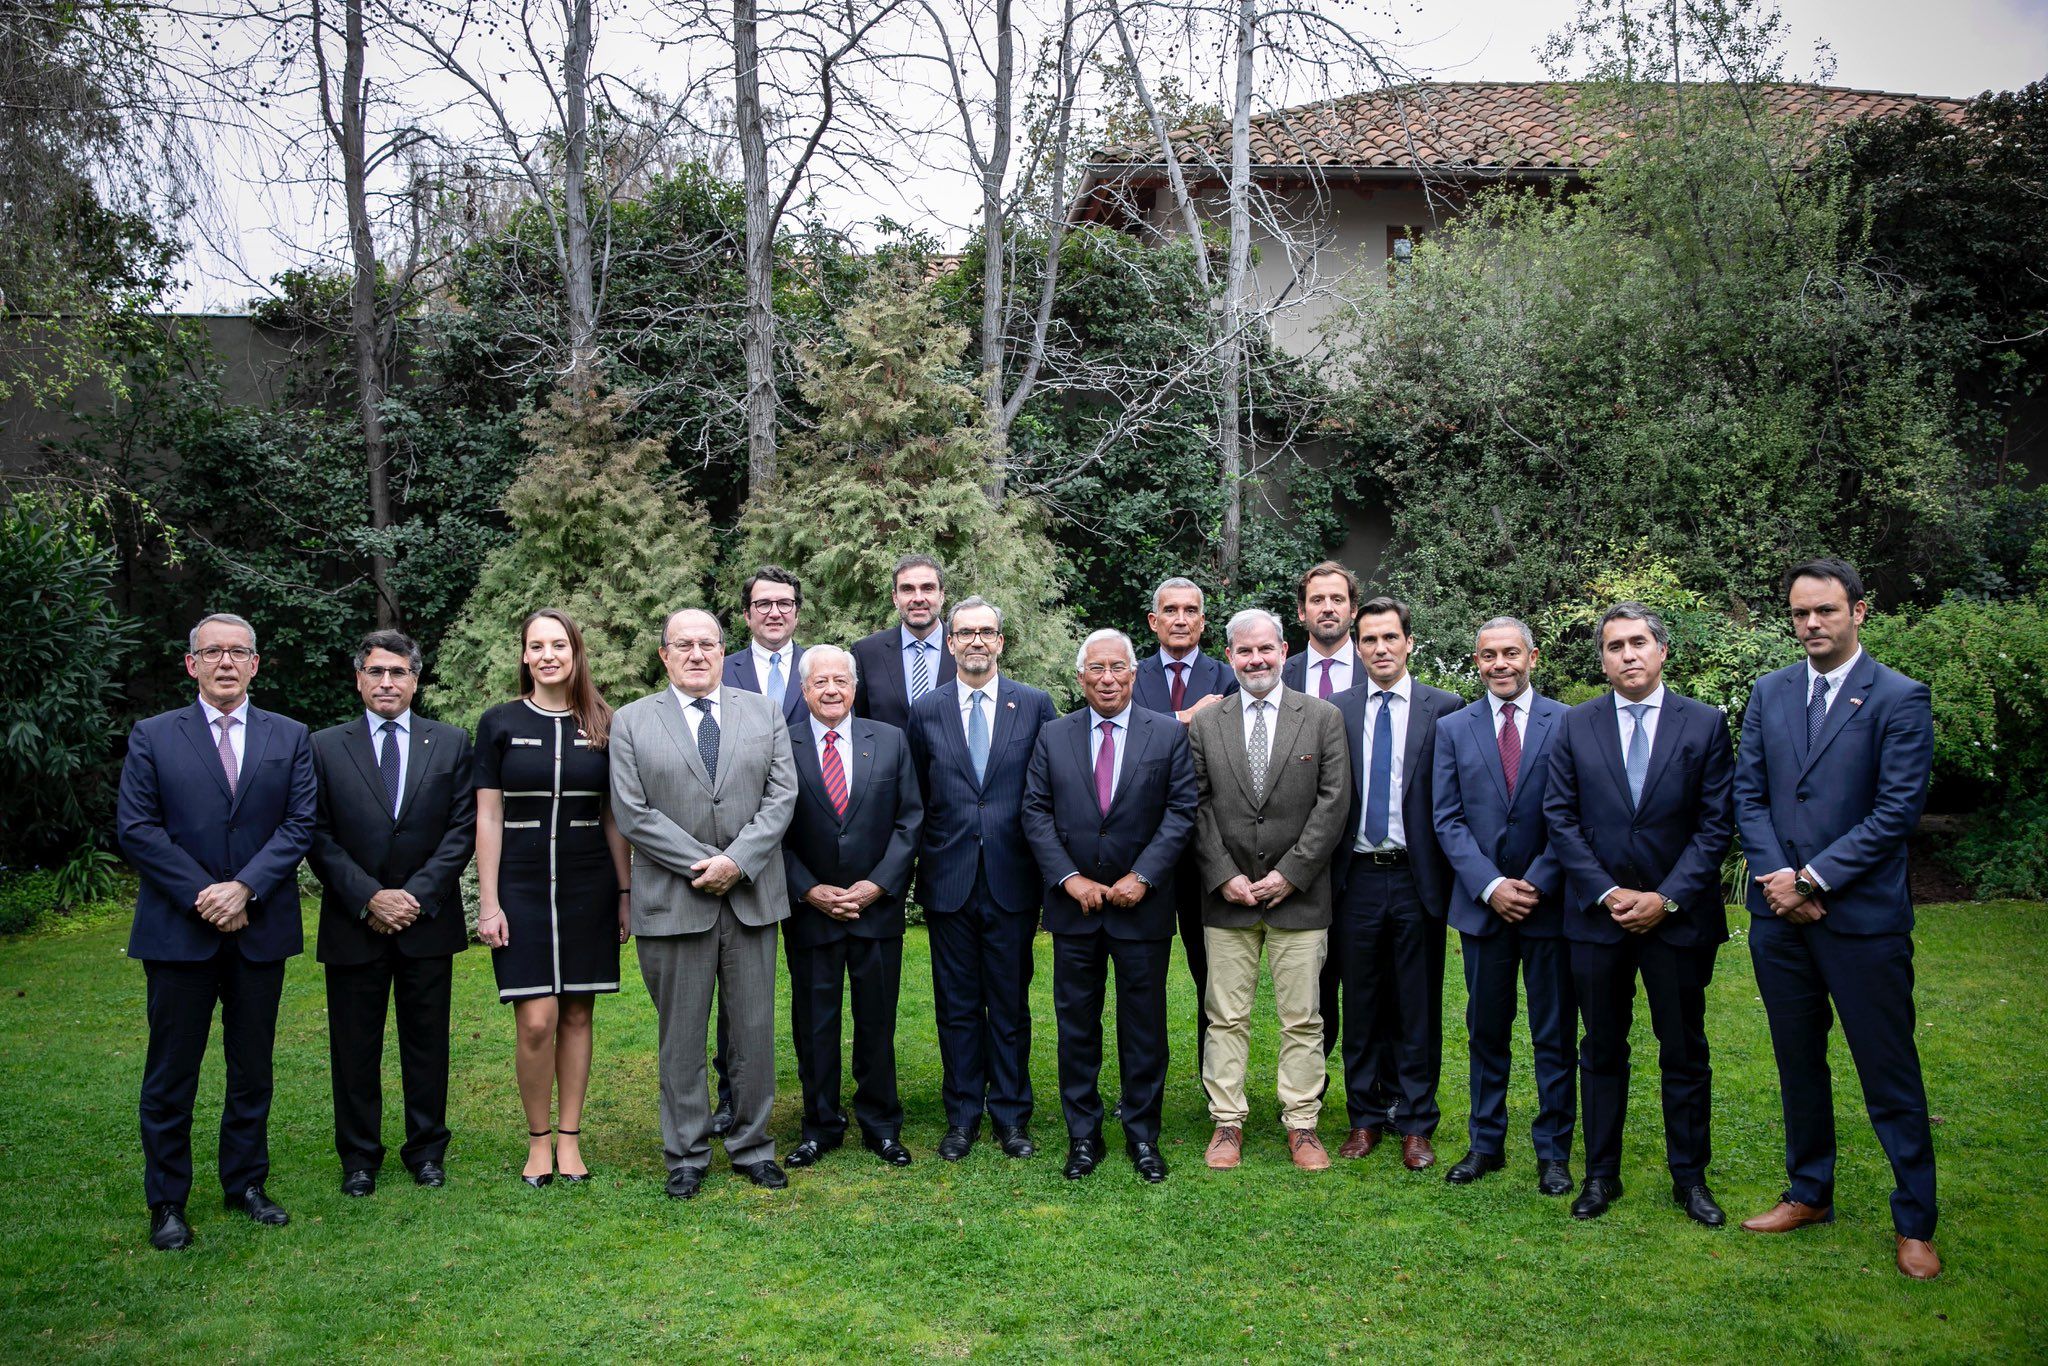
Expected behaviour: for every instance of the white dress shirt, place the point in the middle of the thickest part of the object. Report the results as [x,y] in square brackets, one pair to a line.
[238,734]
[844,730]
[966,691]
[762,656]
[1402,696]
[403,739]
[1344,670]
[1521,725]
[691,715]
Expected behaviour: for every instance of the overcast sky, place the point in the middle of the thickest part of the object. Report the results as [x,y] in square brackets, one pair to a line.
[1957,47]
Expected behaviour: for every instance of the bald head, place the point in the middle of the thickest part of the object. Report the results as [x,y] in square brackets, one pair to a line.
[693,651]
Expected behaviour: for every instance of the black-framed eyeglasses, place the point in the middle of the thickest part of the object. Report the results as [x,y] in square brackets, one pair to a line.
[379,673]
[214,654]
[979,632]
[765,605]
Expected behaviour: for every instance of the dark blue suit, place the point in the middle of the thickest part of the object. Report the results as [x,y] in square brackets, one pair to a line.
[740,673]
[1150,821]
[1673,842]
[1843,808]
[1153,690]
[979,887]
[181,829]
[881,693]
[1387,936]
[1487,831]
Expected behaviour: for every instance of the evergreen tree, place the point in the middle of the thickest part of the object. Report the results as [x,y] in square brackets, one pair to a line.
[600,532]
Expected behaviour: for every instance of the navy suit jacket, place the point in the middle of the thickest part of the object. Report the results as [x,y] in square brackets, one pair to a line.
[877,841]
[740,673]
[1150,820]
[182,830]
[880,694]
[1427,708]
[1484,835]
[969,825]
[1153,688]
[1673,843]
[1294,672]
[1844,808]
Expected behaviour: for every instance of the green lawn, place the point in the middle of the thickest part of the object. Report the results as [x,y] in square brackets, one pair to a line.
[1000,1259]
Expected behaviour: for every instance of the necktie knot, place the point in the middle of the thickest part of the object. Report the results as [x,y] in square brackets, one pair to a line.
[226,724]
[1507,709]
[389,727]
[1108,729]
[1636,711]
[831,739]
[1820,688]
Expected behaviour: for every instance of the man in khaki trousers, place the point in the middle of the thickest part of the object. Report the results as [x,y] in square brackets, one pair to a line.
[1274,777]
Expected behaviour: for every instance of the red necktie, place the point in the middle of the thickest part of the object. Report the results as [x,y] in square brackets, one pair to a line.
[1180,686]
[1323,688]
[835,774]
[1510,746]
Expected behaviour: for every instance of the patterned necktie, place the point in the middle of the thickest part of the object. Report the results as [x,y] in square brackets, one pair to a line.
[707,737]
[387,765]
[1816,712]
[1638,759]
[1510,746]
[1379,783]
[1323,684]
[835,774]
[1180,685]
[1105,767]
[227,753]
[977,736]
[1259,752]
[920,672]
[776,682]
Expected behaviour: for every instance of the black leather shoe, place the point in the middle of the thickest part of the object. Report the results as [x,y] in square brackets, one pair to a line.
[430,1175]
[957,1141]
[1595,1196]
[1015,1140]
[804,1154]
[1472,1166]
[721,1120]
[764,1174]
[168,1231]
[1554,1178]
[1146,1160]
[260,1207]
[1082,1156]
[683,1183]
[359,1183]
[1698,1204]
[888,1149]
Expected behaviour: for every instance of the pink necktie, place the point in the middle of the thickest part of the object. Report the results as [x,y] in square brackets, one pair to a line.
[227,752]
[1323,688]
[1105,767]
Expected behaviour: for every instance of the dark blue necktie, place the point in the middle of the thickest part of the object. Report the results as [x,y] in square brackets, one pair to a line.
[707,738]
[1816,712]
[387,766]
[1379,782]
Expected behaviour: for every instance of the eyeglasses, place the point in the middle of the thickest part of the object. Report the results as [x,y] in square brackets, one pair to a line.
[379,673]
[214,654]
[979,632]
[767,605]
[1115,668]
[693,646]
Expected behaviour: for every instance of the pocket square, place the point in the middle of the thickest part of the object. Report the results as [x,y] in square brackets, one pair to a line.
[1304,758]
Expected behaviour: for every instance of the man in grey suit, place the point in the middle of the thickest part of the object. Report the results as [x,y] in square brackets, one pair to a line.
[703,787]
[1273,771]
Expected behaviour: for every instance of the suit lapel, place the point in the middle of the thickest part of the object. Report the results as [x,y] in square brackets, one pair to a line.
[1005,717]
[1792,713]
[810,765]
[363,751]
[1080,741]
[1137,744]
[1670,735]
[1855,688]
[1535,740]
[1607,735]
[1421,711]
[863,768]
[741,674]
[417,752]
[679,731]
[1489,745]
[252,754]
[1286,726]
[1240,766]
[731,733]
[193,723]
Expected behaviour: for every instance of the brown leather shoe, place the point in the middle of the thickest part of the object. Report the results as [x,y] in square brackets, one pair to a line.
[1360,1143]
[1307,1150]
[1416,1152]
[1789,1214]
[1226,1147]
[1917,1258]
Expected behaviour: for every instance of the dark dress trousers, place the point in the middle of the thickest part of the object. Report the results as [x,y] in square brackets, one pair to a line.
[1153,690]
[881,694]
[1147,828]
[1672,842]
[1842,806]
[980,890]
[1488,831]
[875,841]
[182,829]
[1387,937]
[360,847]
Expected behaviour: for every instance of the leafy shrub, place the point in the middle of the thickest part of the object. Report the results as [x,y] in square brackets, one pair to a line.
[2004,851]
[26,898]
[1984,662]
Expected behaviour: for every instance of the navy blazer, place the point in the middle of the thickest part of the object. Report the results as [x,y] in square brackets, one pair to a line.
[1153,687]
[879,693]
[1845,808]
[740,673]
[1427,708]
[970,826]
[182,830]
[1150,820]
[1294,672]
[1485,836]
[1673,843]
[877,841]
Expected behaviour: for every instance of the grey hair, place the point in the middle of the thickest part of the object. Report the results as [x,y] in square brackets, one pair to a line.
[1096,637]
[229,618]
[1201,598]
[712,617]
[803,662]
[1633,611]
[1506,624]
[976,601]
[1248,617]
[397,642]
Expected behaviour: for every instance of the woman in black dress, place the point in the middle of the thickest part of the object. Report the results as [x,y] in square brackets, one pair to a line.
[553,872]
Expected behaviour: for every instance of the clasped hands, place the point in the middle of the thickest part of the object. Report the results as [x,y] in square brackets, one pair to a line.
[1126,892]
[392,910]
[1266,893]
[224,905]
[1636,912]
[844,903]
[1514,899]
[715,875]
[1785,902]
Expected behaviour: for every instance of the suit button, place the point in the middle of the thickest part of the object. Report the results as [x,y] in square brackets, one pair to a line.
[716,800]
[1802,799]
[1511,820]
[1258,820]
[981,806]
[1259,854]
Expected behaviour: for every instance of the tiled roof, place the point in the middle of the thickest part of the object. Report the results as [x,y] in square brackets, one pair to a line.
[1512,127]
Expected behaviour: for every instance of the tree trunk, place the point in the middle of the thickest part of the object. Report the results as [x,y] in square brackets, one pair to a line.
[1230,348]
[995,245]
[579,275]
[758,329]
[363,328]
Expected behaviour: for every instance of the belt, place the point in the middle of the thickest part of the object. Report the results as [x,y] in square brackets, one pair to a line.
[1385,858]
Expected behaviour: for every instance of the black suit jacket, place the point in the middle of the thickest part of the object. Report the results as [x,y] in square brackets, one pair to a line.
[877,841]
[1673,843]
[1426,861]
[1153,688]
[1151,819]
[880,694]
[359,849]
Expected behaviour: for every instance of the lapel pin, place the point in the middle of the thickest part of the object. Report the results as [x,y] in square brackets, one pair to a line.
[1011,705]
[1855,701]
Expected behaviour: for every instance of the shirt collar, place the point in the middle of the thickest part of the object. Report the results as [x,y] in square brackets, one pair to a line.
[762,654]
[685,701]
[844,730]
[966,689]
[1653,701]
[1835,677]
[213,713]
[1521,702]
[1121,720]
[1166,659]
[1345,654]
[404,720]
[906,638]
[1404,687]
[1245,698]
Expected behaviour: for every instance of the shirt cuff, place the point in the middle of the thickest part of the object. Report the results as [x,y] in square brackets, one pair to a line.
[1609,892]
[1818,880]
[1064,880]
[1487,895]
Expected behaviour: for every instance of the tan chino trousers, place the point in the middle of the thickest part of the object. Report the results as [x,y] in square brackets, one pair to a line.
[1296,958]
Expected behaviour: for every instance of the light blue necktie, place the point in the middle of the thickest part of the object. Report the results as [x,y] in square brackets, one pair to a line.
[1379,782]
[1638,761]
[977,736]
[776,683]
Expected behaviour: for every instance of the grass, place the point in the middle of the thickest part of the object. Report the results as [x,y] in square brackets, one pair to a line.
[993,1258]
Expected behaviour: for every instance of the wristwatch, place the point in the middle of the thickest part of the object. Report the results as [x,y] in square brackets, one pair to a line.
[1670,906]
[1803,884]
